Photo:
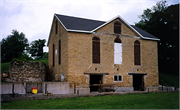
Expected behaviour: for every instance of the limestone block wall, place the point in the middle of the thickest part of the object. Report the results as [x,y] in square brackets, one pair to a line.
[26,71]
[57,69]
[80,57]
[76,60]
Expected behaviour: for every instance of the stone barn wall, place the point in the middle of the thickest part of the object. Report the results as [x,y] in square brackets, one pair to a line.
[26,71]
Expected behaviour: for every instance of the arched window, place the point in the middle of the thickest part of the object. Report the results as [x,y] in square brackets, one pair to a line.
[56,27]
[117,51]
[53,55]
[117,27]
[59,52]
[117,40]
[96,50]
[137,53]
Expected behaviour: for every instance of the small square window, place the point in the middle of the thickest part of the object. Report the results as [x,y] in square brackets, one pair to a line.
[117,77]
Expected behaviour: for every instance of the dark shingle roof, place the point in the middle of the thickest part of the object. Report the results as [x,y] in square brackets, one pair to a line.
[144,33]
[88,25]
[75,23]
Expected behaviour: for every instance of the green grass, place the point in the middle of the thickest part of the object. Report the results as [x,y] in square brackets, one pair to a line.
[44,60]
[128,101]
[5,66]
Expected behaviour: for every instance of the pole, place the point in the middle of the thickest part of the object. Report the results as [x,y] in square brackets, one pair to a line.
[13,88]
[100,87]
[74,87]
[162,84]
[46,88]
[174,86]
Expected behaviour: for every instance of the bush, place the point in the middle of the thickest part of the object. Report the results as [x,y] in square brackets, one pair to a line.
[24,57]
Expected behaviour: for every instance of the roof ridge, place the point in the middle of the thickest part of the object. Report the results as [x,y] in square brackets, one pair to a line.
[80,17]
[85,25]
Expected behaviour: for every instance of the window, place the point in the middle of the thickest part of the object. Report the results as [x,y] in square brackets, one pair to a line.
[53,55]
[96,50]
[137,51]
[59,52]
[117,51]
[56,27]
[117,27]
[117,77]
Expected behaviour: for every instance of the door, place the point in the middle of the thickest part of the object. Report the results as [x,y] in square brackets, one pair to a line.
[95,79]
[138,82]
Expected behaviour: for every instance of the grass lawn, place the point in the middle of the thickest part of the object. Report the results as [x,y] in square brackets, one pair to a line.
[5,66]
[128,101]
[44,60]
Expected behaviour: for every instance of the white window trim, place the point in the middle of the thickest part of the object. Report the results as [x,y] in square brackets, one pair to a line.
[118,79]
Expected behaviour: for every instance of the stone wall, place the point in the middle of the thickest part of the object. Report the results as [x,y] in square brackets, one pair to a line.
[26,72]
[54,38]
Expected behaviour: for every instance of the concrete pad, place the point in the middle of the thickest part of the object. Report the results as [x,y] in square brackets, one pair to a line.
[124,89]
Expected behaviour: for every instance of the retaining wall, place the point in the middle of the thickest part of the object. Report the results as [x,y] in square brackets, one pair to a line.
[124,89]
[56,87]
[23,88]
[7,88]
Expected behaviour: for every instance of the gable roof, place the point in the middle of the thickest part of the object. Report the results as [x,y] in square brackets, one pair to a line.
[145,34]
[76,24]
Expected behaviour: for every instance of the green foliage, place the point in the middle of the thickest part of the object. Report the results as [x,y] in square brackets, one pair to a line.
[162,21]
[23,57]
[160,6]
[13,46]
[45,55]
[129,101]
[36,48]
[169,80]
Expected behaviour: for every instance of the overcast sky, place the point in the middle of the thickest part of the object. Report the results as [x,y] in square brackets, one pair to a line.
[34,17]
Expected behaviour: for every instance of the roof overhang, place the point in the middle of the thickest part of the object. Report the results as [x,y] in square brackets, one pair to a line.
[137,73]
[97,73]
[150,38]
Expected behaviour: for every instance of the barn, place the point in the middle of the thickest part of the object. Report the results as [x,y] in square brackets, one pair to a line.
[90,53]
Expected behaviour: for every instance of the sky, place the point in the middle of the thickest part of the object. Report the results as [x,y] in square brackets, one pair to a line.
[34,17]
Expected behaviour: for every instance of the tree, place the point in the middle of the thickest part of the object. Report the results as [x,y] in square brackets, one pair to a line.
[13,46]
[163,22]
[36,47]
[148,13]
[45,55]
